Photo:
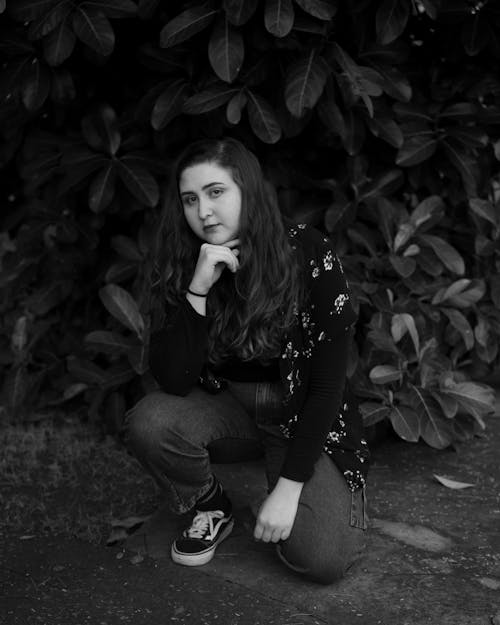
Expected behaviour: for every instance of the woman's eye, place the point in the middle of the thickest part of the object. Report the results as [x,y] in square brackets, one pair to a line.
[190,200]
[216,192]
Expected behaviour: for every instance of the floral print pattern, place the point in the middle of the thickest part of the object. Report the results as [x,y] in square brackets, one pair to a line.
[344,442]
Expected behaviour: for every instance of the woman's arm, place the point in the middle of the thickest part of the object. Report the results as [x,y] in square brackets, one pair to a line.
[322,405]
[331,317]
[178,351]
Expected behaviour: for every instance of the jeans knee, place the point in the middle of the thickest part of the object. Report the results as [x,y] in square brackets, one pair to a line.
[328,573]
[314,567]
[141,430]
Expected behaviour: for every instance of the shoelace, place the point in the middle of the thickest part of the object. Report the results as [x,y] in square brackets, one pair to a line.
[202,521]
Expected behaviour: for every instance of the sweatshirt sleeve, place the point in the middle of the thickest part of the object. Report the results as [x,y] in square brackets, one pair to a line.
[329,331]
[177,352]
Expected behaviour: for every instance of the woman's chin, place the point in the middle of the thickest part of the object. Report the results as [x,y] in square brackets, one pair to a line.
[217,236]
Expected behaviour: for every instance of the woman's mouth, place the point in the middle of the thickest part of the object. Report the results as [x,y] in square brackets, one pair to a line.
[210,228]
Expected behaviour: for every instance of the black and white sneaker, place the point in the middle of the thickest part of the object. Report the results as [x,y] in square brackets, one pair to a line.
[199,541]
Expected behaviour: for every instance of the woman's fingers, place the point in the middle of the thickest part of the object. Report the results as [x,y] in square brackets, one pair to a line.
[269,534]
[221,254]
[233,243]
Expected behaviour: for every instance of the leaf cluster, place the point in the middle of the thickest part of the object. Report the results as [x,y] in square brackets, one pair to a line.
[377,122]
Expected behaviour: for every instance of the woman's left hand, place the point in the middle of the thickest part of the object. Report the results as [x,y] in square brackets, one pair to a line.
[277,514]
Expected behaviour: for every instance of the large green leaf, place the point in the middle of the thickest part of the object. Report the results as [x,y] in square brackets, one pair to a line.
[102,189]
[101,130]
[138,181]
[447,292]
[36,86]
[386,128]
[121,271]
[464,163]
[356,81]
[435,430]
[235,107]
[392,17]
[460,112]
[495,290]
[93,28]
[109,342]
[449,405]
[169,104]
[471,137]
[429,209]
[384,374]
[405,231]
[278,17]
[27,10]
[354,133]
[59,44]
[304,83]
[187,24]
[405,422]
[85,370]
[475,33]
[48,297]
[471,296]
[373,412]
[123,307]
[118,374]
[402,323]
[460,323]
[238,12]
[404,266]
[209,99]
[475,399]
[416,149]
[50,19]
[330,114]
[382,185]
[113,8]
[263,119]
[319,8]
[485,209]
[395,83]
[78,163]
[226,50]
[446,253]
[127,248]
[138,358]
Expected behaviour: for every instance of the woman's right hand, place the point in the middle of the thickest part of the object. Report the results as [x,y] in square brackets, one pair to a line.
[212,260]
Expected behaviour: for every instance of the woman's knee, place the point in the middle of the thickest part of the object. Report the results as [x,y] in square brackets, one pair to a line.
[317,567]
[146,423]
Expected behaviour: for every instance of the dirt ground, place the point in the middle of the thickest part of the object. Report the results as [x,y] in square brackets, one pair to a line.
[432,553]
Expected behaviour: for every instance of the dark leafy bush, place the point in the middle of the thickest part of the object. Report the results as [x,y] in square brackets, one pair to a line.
[377,122]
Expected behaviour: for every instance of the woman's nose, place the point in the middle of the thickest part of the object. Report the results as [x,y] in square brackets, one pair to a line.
[205,208]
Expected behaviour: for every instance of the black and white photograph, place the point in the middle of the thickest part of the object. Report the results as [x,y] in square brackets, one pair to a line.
[250,312]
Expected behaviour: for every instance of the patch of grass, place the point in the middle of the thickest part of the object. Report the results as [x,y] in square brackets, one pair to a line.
[68,480]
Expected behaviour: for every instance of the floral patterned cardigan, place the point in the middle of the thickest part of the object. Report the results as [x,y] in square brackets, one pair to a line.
[320,415]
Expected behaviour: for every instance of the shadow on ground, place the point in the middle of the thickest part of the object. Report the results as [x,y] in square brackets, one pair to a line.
[432,556]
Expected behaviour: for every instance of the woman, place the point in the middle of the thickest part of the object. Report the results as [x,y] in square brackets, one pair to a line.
[251,355]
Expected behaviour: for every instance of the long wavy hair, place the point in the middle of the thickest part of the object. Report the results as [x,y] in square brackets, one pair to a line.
[252,309]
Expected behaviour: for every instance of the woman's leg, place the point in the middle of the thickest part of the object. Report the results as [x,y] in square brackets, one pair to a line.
[328,532]
[175,438]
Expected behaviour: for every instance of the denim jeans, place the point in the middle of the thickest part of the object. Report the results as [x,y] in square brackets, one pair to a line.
[176,439]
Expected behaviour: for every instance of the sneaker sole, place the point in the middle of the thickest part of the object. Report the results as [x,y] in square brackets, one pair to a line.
[198,559]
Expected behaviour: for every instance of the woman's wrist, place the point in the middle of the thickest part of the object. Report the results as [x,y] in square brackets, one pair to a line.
[198,289]
[290,487]
[196,294]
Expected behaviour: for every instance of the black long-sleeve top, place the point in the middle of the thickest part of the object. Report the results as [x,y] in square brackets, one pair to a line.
[321,414]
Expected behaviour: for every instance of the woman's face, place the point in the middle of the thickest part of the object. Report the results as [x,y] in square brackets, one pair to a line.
[212,202]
